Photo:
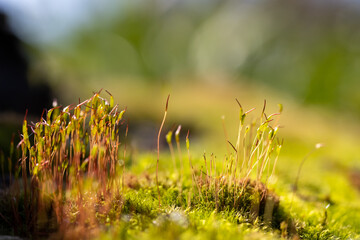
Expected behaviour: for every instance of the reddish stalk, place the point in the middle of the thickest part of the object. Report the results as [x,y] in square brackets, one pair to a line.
[158,149]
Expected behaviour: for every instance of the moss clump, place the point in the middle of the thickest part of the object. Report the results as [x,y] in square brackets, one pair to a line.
[73,181]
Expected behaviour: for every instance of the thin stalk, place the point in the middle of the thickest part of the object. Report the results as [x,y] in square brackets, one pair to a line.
[177,139]
[265,155]
[169,141]
[226,135]
[123,173]
[191,166]
[158,150]
[275,161]
[317,146]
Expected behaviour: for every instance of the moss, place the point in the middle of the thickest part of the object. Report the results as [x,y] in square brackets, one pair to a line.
[215,201]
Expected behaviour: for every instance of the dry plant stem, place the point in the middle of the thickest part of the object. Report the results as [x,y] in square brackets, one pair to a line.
[158,149]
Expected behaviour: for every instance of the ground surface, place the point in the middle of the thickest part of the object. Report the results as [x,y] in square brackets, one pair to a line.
[325,204]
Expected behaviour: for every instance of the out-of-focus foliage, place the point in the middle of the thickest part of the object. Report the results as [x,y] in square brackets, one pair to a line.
[308,49]
[312,52]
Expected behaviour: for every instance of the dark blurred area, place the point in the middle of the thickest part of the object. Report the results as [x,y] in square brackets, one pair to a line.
[17,95]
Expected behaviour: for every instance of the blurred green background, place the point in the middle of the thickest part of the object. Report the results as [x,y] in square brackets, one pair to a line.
[309,50]
[205,53]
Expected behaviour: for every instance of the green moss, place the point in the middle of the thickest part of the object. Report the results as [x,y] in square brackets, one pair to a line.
[215,201]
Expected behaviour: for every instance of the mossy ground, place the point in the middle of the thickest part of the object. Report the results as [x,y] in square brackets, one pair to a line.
[136,213]
[326,204]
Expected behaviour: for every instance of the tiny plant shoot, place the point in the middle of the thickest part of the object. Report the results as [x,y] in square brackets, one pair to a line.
[158,149]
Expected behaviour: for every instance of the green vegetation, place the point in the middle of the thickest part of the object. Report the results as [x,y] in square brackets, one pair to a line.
[76,179]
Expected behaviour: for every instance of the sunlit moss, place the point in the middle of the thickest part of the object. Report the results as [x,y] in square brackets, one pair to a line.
[71,183]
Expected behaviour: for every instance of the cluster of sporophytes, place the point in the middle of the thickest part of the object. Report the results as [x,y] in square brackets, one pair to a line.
[73,170]
[240,182]
[71,156]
